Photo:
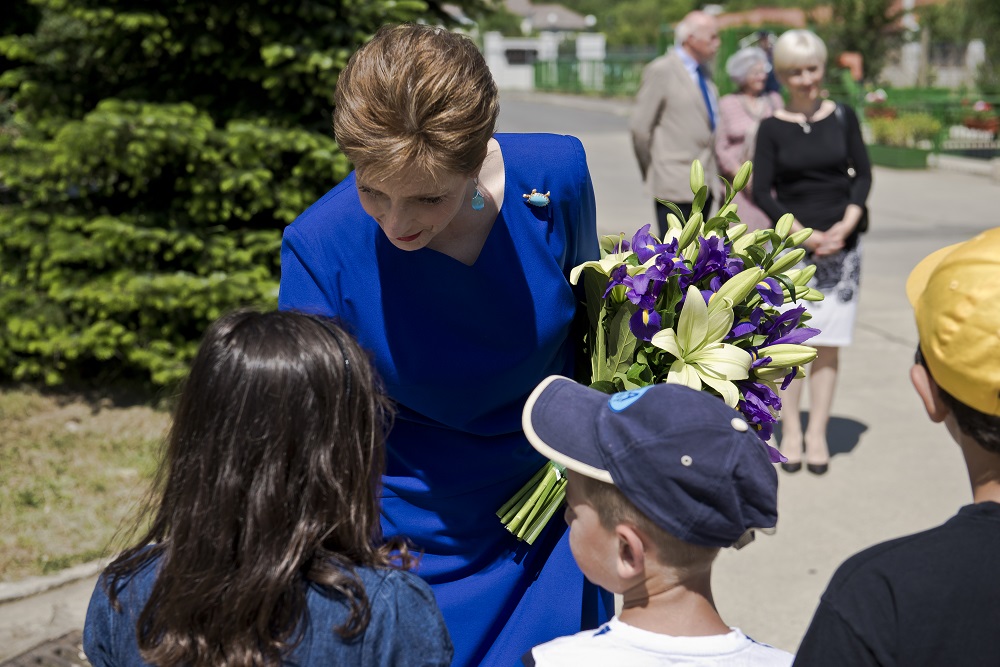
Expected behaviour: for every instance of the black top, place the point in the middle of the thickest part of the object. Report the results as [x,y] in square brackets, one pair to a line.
[927,599]
[808,171]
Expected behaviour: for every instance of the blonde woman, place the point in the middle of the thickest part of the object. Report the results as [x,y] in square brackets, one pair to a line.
[811,161]
[447,253]
[740,114]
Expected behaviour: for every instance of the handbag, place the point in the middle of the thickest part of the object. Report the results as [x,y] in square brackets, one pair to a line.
[851,171]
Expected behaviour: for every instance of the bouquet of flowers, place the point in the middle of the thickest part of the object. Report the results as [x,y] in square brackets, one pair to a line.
[711,306]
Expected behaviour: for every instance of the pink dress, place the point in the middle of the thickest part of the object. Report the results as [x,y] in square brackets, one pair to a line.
[735,137]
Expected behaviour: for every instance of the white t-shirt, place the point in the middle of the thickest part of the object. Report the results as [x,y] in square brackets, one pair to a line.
[617,643]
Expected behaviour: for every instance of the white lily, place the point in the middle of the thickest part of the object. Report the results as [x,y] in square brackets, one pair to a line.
[605,265]
[700,355]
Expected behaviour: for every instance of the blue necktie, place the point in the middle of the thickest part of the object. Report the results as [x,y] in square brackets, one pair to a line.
[708,100]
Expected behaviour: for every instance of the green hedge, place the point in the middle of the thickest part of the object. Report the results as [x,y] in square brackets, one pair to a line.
[138,225]
[151,153]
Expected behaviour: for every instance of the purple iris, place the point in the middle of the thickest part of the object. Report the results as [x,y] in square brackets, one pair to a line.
[669,262]
[643,290]
[618,276]
[756,405]
[747,326]
[782,329]
[770,291]
[788,378]
[644,323]
[712,256]
[645,245]
[732,266]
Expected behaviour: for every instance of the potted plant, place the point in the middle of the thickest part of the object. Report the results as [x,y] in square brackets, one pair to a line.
[877,105]
[903,142]
[982,116]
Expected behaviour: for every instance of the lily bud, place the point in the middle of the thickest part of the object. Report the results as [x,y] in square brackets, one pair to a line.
[736,289]
[776,374]
[673,222]
[727,209]
[736,231]
[786,261]
[800,292]
[697,176]
[691,230]
[742,176]
[799,237]
[784,225]
[785,355]
[747,240]
[801,276]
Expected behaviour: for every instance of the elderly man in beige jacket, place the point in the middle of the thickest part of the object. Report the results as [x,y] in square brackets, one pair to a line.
[674,117]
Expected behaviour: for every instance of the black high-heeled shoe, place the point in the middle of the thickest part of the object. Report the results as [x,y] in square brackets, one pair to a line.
[791,466]
[818,468]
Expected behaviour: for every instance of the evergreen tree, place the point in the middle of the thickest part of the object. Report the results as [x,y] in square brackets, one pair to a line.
[984,22]
[869,27]
[155,152]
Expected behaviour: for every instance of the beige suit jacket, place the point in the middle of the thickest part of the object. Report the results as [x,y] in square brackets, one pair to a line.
[670,128]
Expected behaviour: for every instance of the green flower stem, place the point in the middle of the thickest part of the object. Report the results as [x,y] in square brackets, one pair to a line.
[552,507]
[551,489]
[516,501]
[531,508]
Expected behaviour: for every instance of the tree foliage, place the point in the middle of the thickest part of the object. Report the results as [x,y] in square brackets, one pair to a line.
[640,23]
[156,152]
[869,27]
[984,18]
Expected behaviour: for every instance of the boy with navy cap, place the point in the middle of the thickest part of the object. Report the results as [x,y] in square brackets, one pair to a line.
[933,598]
[660,479]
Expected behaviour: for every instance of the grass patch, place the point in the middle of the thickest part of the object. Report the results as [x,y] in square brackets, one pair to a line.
[73,468]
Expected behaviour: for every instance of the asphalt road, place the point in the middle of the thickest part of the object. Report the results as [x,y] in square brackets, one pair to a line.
[892,473]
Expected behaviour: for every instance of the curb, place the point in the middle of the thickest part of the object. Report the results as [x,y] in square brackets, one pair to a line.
[963,165]
[17,590]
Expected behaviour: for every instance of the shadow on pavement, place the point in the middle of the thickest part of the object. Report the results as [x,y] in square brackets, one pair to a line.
[66,651]
[842,435]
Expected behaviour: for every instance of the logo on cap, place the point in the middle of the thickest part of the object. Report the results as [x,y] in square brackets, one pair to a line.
[623,399]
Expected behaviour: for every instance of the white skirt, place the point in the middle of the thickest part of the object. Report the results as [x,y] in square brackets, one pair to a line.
[838,278]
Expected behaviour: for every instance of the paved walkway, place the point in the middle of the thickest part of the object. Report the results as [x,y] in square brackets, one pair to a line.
[893,472]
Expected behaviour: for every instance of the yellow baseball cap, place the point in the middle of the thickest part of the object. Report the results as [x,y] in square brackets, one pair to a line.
[955,294]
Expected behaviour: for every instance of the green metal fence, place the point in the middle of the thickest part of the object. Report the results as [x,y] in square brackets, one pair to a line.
[614,76]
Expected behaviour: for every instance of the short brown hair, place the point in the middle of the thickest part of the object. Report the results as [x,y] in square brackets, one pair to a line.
[415,95]
[613,509]
[981,427]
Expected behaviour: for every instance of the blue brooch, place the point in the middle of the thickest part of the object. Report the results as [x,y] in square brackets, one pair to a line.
[537,198]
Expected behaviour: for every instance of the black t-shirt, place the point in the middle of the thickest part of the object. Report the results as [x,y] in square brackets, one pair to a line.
[927,599]
[806,174]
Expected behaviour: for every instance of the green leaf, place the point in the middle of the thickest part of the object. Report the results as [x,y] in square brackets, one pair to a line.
[621,342]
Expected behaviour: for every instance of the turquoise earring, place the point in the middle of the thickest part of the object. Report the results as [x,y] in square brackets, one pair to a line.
[478,203]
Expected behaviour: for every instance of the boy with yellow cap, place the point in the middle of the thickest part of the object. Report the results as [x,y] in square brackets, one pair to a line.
[934,598]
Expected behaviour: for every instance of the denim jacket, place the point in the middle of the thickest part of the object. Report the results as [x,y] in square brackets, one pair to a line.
[406,627]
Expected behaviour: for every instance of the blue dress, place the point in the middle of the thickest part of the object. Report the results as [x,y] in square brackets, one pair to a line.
[459,348]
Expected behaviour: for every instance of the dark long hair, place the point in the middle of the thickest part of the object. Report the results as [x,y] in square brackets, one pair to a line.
[269,481]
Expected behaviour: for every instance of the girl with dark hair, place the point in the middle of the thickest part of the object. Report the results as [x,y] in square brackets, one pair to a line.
[265,546]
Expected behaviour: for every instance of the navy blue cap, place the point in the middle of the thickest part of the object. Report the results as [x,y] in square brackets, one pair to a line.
[687,460]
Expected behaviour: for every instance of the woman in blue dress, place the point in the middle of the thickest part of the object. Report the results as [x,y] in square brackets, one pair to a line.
[437,257]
